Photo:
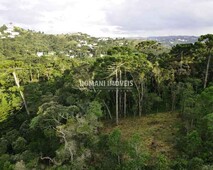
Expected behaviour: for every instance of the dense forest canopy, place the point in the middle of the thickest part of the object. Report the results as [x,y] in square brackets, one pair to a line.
[48,122]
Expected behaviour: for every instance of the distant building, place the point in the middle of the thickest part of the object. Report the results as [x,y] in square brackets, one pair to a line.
[78,45]
[39,54]
[51,53]
[90,46]
[181,40]
[103,39]
[9,32]
[15,33]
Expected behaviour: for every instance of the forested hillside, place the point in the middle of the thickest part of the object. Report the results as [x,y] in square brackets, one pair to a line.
[48,121]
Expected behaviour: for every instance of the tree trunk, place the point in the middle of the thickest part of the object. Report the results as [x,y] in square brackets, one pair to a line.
[110,115]
[142,94]
[140,98]
[207,71]
[124,103]
[38,75]
[116,103]
[21,93]
[173,101]
[31,74]
[120,96]
[139,104]
[125,99]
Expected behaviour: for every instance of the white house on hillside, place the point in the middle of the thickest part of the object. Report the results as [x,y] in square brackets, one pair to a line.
[39,53]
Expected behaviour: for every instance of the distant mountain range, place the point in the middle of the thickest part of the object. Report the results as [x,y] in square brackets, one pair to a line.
[170,40]
[10,31]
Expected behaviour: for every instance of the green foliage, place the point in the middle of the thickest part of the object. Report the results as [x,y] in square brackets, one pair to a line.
[122,50]
[8,166]
[207,127]
[193,143]
[138,156]
[4,160]
[207,167]
[162,163]
[114,142]
[95,108]
[180,163]
[63,129]
[3,145]
[151,47]
[206,131]
[206,101]
[9,101]
[195,163]
[19,145]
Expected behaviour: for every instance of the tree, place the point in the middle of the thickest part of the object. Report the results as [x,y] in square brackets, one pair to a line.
[207,41]
[151,47]
[139,68]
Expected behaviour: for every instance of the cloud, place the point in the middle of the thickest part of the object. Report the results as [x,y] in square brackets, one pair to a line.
[137,16]
[28,12]
[111,17]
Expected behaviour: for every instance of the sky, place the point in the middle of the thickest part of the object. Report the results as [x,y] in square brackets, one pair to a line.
[111,18]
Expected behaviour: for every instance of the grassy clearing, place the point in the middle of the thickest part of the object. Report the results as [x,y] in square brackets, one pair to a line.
[157,131]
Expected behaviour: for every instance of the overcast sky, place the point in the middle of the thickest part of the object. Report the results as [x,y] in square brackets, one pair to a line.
[111,17]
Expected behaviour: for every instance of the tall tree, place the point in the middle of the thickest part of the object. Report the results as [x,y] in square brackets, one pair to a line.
[207,40]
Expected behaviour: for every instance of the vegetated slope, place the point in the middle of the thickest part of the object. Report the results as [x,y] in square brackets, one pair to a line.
[158,131]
